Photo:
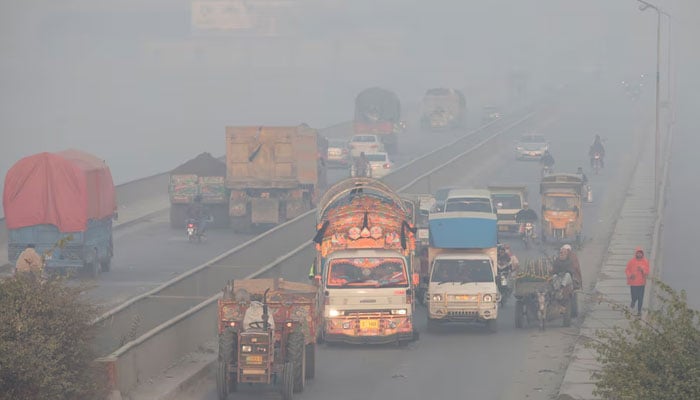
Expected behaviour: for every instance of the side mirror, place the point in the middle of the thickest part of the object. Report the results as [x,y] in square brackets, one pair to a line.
[415,279]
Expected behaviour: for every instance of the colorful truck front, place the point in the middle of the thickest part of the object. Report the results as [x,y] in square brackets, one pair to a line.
[364,247]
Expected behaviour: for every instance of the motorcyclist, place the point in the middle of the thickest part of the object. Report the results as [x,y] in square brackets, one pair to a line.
[199,213]
[504,260]
[584,178]
[526,214]
[362,166]
[547,159]
[597,147]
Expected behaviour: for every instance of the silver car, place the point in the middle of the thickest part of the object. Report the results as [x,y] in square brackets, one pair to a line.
[531,147]
[338,152]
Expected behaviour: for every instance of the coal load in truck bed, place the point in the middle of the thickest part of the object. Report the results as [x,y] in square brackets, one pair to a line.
[203,165]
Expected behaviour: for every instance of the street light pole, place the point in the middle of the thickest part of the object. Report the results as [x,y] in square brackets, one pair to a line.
[657,133]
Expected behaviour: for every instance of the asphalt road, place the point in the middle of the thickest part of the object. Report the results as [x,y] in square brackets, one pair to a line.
[150,253]
[465,361]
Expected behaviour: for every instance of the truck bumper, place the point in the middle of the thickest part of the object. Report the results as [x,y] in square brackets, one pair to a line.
[452,314]
[348,330]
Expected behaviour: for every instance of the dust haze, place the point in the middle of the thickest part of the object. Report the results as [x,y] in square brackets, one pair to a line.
[137,84]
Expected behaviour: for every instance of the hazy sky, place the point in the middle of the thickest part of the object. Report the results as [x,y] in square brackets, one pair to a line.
[129,81]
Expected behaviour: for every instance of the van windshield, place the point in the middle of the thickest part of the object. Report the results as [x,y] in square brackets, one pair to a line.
[462,271]
[367,273]
[476,204]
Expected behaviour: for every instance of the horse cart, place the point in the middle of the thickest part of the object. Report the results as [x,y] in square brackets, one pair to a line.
[541,296]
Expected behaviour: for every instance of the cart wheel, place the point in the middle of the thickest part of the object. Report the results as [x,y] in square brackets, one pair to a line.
[519,314]
[567,314]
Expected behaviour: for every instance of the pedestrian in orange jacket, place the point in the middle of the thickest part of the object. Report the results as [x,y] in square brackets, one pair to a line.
[637,271]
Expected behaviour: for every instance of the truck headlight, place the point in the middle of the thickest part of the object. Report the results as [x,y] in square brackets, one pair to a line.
[488,298]
[333,313]
[246,349]
[437,297]
[401,311]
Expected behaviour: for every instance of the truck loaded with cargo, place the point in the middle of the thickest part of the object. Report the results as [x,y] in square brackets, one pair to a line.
[443,109]
[378,112]
[274,174]
[62,203]
[202,176]
[463,268]
[365,245]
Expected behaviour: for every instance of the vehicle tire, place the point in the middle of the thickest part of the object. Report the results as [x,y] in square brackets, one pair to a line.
[574,305]
[492,325]
[310,360]
[519,314]
[296,354]
[227,353]
[287,389]
[566,320]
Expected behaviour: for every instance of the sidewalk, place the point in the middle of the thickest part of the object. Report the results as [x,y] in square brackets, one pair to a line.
[128,214]
[634,227]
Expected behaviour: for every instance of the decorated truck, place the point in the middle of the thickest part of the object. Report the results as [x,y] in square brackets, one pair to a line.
[63,203]
[378,112]
[365,245]
[201,176]
[274,173]
[443,109]
[463,268]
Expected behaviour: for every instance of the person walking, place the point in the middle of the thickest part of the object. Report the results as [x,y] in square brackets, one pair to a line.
[637,271]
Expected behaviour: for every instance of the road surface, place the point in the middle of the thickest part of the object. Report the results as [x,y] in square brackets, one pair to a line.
[466,361]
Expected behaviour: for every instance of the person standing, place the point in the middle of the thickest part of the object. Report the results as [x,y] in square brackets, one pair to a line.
[637,271]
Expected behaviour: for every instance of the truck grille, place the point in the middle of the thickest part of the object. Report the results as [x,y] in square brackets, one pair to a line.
[462,313]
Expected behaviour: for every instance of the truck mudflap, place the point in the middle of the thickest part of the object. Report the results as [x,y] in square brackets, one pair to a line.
[265,211]
[379,330]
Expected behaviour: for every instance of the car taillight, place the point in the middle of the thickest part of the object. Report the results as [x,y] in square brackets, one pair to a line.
[345,151]
[190,225]
[374,146]
[387,166]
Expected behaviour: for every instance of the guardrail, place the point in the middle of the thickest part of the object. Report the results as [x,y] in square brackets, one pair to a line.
[193,295]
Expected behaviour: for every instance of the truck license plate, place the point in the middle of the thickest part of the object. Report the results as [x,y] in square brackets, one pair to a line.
[369,324]
[254,359]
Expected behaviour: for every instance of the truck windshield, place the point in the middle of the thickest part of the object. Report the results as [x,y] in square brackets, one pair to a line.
[367,273]
[469,204]
[507,201]
[552,203]
[462,271]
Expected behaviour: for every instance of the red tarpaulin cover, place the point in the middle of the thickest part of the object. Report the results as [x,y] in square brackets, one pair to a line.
[64,189]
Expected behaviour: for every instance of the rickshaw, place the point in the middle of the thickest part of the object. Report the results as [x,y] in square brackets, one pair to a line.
[562,217]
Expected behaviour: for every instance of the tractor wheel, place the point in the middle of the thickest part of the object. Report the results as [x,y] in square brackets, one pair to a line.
[310,360]
[227,355]
[519,314]
[287,389]
[296,354]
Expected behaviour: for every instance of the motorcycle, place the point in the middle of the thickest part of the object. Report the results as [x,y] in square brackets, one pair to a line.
[503,283]
[193,232]
[596,163]
[528,233]
[546,170]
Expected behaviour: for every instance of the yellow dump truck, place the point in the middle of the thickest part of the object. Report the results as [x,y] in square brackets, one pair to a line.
[274,173]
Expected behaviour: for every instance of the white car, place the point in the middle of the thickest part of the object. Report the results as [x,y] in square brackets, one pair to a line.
[365,143]
[531,147]
[380,164]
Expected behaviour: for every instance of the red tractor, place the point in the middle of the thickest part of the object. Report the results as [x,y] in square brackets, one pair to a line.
[267,335]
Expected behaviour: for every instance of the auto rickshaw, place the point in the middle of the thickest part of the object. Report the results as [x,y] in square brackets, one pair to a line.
[562,218]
